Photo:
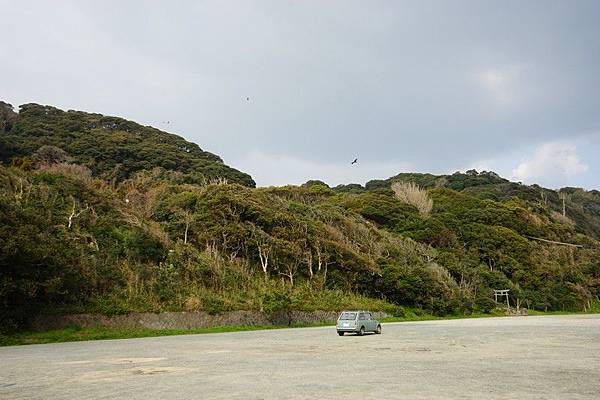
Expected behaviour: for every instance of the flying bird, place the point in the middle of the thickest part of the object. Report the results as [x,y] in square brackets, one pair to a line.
[355,161]
[247,98]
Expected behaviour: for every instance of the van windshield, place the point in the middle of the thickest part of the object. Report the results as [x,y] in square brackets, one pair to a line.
[348,316]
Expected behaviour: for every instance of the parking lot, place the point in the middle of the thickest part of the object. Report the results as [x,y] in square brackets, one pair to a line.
[554,357]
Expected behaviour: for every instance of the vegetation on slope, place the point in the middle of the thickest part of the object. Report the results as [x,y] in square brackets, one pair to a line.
[581,208]
[112,148]
[72,240]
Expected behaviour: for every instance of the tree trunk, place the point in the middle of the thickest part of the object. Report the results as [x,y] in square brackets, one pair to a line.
[74,214]
[187,226]
[71,216]
[263,255]
[309,262]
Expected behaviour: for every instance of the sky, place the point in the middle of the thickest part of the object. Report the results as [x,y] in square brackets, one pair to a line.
[404,86]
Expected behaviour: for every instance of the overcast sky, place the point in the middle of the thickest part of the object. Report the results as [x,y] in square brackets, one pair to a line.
[422,86]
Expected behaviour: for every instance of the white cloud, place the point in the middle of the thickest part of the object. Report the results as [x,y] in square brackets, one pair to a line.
[479,165]
[269,169]
[502,84]
[551,163]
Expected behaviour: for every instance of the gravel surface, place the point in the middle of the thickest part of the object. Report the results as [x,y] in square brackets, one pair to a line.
[554,357]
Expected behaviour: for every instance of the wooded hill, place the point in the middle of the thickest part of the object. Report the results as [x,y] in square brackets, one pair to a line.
[85,228]
[111,147]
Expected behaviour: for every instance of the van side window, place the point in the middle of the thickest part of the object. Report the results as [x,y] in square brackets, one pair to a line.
[362,316]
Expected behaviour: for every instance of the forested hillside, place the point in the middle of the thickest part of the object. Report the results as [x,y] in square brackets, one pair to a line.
[130,222]
[112,148]
[581,207]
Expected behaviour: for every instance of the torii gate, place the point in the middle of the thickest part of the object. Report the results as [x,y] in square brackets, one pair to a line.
[502,293]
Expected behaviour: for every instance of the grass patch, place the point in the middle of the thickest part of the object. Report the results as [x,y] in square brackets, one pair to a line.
[75,334]
[595,309]
[418,315]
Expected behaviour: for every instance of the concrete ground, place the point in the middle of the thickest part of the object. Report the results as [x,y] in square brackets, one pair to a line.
[554,357]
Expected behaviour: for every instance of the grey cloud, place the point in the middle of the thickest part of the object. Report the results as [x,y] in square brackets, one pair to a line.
[435,85]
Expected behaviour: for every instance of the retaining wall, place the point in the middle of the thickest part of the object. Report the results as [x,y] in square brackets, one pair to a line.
[186,320]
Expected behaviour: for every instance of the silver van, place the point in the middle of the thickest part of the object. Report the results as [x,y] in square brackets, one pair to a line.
[358,322]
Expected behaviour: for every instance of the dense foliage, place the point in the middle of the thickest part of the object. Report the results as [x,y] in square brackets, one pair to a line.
[582,207]
[72,240]
[111,147]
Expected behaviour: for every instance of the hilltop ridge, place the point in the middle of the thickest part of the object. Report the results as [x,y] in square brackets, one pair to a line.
[582,206]
[112,147]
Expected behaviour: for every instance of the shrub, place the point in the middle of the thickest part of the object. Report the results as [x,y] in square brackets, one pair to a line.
[72,170]
[50,155]
[413,195]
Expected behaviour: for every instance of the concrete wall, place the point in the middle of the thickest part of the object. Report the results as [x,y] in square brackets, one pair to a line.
[186,320]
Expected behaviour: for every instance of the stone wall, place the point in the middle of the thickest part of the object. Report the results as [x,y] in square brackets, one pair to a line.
[186,320]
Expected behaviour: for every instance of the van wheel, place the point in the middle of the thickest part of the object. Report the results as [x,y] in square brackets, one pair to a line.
[361,331]
[340,333]
[378,330]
